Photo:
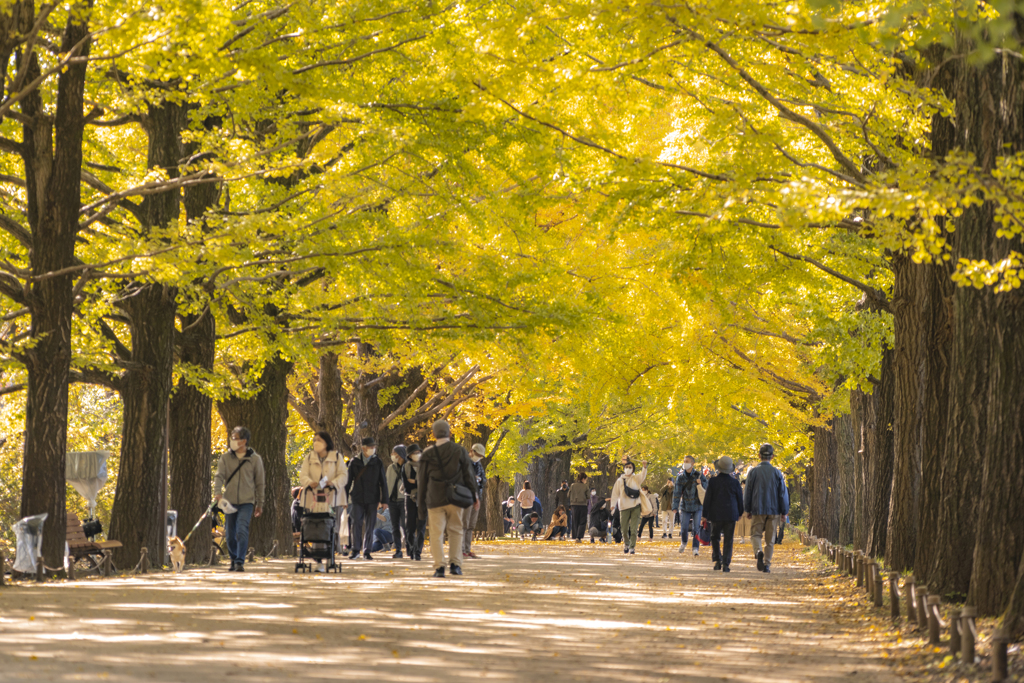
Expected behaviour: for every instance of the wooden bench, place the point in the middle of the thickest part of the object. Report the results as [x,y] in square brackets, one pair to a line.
[80,547]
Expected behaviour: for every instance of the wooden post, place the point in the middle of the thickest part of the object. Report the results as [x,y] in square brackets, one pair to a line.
[108,564]
[144,561]
[40,571]
[954,633]
[911,590]
[894,594]
[968,633]
[71,568]
[877,578]
[1000,639]
[273,550]
[870,570]
[860,568]
[3,568]
[934,636]
[922,609]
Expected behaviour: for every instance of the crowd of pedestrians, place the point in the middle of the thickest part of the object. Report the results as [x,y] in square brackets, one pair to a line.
[441,486]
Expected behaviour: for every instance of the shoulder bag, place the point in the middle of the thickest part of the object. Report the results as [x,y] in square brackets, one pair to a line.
[458,495]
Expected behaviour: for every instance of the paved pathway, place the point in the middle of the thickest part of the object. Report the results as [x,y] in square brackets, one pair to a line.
[532,612]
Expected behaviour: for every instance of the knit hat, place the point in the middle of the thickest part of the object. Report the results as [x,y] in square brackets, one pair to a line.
[724,465]
[400,449]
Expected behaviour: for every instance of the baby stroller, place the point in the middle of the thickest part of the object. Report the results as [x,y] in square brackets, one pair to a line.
[317,538]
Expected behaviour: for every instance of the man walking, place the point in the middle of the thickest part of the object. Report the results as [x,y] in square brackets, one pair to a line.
[240,481]
[686,498]
[367,490]
[472,514]
[442,464]
[668,513]
[396,500]
[578,496]
[764,500]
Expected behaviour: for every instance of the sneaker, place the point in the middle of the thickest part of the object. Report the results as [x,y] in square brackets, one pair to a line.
[367,556]
[580,540]
[664,535]
[418,557]
[439,573]
[682,548]
[471,555]
[760,560]
[718,565]
[320,568]
[354,555]
[625,550]
[767,569]
[592,540]
[232,567]
[456,570]
[632,551]
[398,555]
[670,536]
[726,570]
[240,567]
[696,552]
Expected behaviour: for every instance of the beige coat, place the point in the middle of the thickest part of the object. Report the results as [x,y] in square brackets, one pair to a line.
[336,471]
[633,481]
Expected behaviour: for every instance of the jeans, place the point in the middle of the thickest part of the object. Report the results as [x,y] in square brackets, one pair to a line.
[629,520]
[668,518]
[446,517]
[398,524]
[381,538]
[684,528]
[557,531]
[364,521]
[469,518]
[236,528]
[725,529]
[579,521]
[764,525]
[648,522]
[415,529]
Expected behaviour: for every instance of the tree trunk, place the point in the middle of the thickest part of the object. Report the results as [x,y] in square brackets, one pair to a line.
[266,417]
[494,500]
[879,492]
[904,510]
[862,412]
[330,417]
[53,167]
[825,507]
[138,515]
[545,476]
[190,454]
[843,427]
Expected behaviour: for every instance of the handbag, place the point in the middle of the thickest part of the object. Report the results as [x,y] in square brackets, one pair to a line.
[646,510]
[458,495]
[632,493]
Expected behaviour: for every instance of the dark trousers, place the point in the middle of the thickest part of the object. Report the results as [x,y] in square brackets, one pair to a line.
[364,521]
[398,524]
[719,529]
[579,521]
[415,529]
[649,521]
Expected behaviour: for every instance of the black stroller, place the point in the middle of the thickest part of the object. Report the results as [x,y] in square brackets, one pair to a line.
[317,540]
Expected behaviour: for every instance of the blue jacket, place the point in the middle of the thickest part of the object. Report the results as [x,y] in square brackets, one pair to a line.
[723,501]
[766,492]
[684,496]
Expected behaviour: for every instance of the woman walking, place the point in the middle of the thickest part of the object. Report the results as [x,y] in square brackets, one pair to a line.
[323,475]
[415,528]
[626,497]
[723,505]
[648,520]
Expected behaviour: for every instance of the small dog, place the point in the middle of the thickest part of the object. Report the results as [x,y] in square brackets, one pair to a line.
[177,550]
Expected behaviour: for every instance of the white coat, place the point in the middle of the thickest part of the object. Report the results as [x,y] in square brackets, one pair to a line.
[634,481]
[313,469]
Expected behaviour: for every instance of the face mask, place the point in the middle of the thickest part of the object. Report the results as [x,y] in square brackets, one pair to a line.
[687,466]
[593,493]
[628,471]
[233,444]
[395,459]
[368,452]
[415,457]
[476,458]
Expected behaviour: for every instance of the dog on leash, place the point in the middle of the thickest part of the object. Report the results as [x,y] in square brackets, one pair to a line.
[177,550]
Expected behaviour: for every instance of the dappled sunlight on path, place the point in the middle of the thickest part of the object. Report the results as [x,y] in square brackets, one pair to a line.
[523,612]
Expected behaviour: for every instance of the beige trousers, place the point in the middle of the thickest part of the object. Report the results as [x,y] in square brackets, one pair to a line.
[446,518]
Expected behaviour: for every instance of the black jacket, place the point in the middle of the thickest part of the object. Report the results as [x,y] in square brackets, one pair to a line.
[599,519]
[439,466]
[562,498]
[366,483]
[723,501]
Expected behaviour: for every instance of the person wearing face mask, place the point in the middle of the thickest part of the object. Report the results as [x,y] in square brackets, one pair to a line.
[578,508]
[396,498]
[323,474]
[668,514]
[626,497]
[686,499]
[367,489]
[415,528]
[471,514]
[598,518]
[508,509]
[240,481]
